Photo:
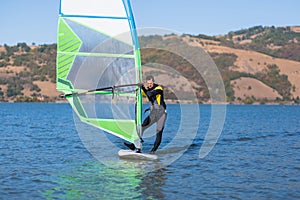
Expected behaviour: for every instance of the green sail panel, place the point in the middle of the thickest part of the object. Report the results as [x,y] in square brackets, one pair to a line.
[67,46]
[126,129]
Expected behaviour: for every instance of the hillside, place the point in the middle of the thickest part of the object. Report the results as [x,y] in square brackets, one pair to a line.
[261,50]
[257,65]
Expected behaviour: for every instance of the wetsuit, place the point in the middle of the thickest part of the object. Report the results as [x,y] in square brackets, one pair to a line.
[157,114]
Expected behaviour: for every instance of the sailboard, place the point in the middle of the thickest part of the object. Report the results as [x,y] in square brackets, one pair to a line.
[128,154]
[98,65]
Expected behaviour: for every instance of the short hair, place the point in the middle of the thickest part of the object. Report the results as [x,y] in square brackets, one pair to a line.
[150,77]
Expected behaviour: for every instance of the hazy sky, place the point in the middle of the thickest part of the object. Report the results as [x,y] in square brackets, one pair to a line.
[36,20]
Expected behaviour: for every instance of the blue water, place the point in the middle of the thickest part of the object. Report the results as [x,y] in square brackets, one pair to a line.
[257,157]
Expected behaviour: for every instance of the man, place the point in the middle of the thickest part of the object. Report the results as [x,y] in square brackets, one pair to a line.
[158,113]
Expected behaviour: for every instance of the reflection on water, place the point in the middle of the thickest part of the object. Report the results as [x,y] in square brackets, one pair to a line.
[97,181]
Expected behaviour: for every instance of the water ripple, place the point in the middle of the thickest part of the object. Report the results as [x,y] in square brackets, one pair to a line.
[257,157]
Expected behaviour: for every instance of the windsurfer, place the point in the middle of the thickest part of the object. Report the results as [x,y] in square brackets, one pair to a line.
[158,114]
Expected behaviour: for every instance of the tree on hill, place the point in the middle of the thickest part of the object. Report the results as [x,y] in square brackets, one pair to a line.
[23,47]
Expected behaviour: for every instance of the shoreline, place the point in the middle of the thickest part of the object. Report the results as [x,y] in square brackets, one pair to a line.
[184,102]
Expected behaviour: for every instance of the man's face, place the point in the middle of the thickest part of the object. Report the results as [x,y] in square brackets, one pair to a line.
[150,83]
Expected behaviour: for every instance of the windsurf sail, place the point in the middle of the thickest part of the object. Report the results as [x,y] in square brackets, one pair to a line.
[98,64]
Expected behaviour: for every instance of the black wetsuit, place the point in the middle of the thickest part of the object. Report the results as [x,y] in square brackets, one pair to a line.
[157,112]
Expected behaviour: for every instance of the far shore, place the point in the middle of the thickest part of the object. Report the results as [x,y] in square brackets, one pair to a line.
[168,101]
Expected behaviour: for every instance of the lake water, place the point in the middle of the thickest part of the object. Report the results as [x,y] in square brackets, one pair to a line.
[257,156]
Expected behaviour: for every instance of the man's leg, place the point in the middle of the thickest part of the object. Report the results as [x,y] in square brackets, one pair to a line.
[157,141]
[159,130]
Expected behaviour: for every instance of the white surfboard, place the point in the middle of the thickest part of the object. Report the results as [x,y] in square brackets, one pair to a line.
[128,154]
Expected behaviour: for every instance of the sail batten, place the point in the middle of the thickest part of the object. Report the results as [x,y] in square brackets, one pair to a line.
[90,16]
[97,47]
[97,54]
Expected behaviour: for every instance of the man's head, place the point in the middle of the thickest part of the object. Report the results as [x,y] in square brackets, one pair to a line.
[150,81]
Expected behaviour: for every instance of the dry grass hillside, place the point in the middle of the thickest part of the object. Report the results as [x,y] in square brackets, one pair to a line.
[28,74]
[252,62]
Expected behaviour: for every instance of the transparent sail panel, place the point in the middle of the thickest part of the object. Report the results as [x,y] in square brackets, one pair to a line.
[113,8]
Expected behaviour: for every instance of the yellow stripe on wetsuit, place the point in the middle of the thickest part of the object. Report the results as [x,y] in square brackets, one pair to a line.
[157,97]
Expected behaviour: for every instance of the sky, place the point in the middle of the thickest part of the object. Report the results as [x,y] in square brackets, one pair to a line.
[35,21]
